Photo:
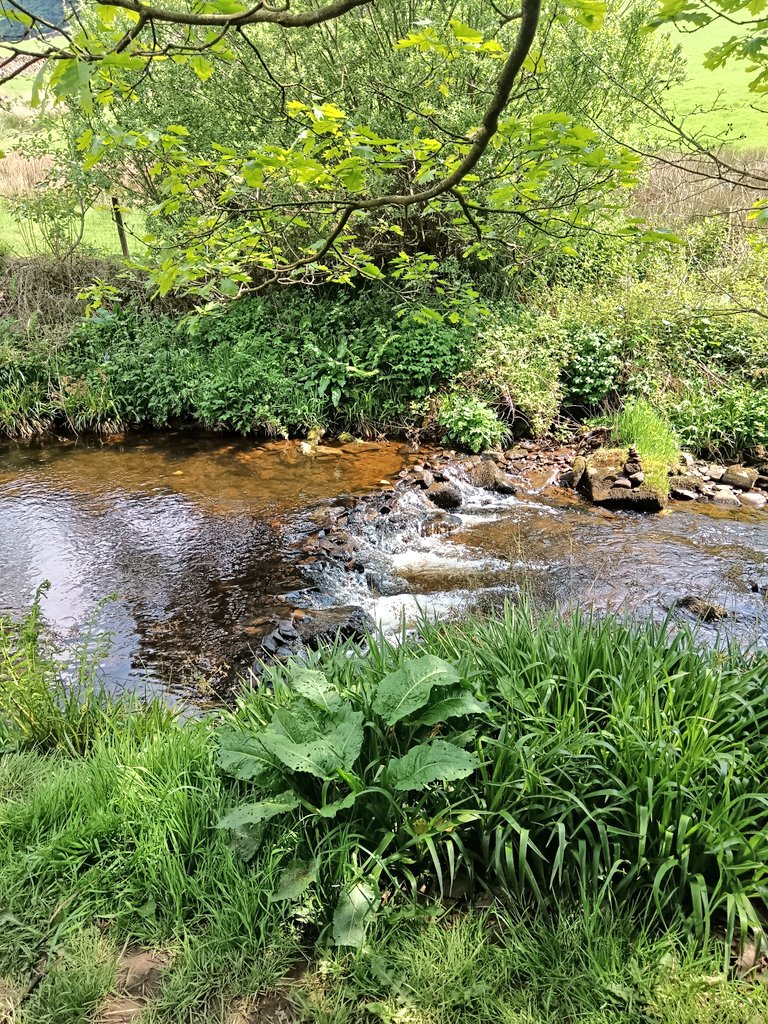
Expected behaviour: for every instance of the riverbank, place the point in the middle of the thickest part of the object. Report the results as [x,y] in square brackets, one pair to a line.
[611,328]
[113,817]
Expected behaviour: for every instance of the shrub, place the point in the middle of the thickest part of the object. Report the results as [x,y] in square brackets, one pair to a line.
[593,369]
[470,422]
[728,424]
[516,369]
[551,758]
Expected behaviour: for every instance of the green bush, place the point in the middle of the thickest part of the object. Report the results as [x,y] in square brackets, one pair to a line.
[470,422]
[729,423]
[539,758]
[593,369]
[516,368]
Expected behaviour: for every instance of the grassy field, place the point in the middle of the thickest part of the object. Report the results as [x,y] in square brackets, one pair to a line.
[718,102]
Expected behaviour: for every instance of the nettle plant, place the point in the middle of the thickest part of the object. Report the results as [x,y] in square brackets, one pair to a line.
[374,769]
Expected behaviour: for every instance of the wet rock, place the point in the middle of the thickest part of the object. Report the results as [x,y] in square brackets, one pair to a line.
[487,476]
[681,494]
[762,482]
[444,495]
[759,586]
[579,469]
[702,609]
[321,626]
[740,476]
[753,500]
[423,478]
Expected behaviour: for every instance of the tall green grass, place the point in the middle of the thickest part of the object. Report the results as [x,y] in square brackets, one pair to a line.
[52,701]
[639,424]
[602,761]
[618,810]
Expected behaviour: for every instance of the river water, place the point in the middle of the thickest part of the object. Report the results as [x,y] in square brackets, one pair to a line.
[193,536]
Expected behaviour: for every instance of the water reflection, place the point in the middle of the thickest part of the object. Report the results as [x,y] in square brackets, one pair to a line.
[186,531]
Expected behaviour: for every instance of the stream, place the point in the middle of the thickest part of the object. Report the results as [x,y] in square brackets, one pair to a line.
[181,548]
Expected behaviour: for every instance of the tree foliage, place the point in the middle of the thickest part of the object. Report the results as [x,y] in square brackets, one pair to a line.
[361,140]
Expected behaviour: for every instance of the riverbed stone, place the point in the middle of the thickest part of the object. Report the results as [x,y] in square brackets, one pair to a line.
[605,468]
[685,482]
[714,472]
[753,499]
[726,496]
[444,495]
[742,477]
[487,476]
[324,625]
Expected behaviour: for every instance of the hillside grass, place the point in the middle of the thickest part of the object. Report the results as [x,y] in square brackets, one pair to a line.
[717,103]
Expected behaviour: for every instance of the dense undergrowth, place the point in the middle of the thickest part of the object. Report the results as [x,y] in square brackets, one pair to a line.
[598,786]
[613,326]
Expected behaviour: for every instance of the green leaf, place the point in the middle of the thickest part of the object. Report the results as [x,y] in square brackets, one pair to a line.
[454,704]
[241,755]
[402,692]
[326,754]
[294,881]
[261,810]
[353,913]
[331,810]
[314,687]
[438,761]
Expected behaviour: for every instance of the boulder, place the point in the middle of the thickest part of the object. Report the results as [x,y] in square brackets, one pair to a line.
[752,499]
[714,472]
[741,477]
[445,495]
[487,476]
[704,610]
[606,485]
[324,625]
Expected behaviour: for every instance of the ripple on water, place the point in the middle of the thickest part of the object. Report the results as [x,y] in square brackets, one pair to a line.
[193,533]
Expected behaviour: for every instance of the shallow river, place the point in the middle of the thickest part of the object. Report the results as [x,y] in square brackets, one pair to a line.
[193,535]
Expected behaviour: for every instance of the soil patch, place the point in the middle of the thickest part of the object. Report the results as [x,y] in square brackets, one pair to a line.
[139,980]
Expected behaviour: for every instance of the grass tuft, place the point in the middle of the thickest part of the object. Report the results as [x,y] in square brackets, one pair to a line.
[639,424]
